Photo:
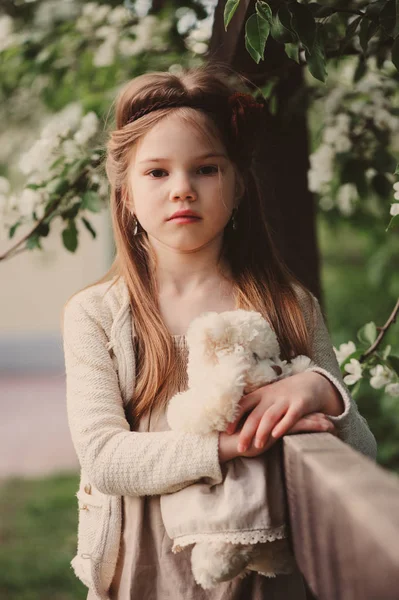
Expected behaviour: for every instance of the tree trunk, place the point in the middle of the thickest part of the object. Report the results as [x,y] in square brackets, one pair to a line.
[284,151]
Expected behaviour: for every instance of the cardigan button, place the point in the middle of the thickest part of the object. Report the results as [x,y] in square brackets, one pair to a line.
[87,488]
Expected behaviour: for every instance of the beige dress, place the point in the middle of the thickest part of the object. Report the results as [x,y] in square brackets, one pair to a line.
[147,569]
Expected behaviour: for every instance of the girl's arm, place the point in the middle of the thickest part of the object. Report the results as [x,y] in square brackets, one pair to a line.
[117,460]
[351,427]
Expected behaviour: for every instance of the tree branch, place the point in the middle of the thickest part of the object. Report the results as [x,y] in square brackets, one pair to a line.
[383,331]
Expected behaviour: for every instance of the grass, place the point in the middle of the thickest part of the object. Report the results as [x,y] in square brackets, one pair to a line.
[38,531]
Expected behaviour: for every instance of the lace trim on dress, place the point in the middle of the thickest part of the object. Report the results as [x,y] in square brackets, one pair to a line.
[253,536]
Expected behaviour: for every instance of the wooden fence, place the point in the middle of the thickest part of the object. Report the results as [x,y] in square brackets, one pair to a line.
[344,519]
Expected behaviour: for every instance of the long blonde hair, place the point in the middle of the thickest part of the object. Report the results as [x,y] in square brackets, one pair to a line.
[261,279]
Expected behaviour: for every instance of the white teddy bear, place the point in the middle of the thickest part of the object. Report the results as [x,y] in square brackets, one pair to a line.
[230,354]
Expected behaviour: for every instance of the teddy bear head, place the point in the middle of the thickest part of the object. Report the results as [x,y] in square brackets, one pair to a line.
[240,331]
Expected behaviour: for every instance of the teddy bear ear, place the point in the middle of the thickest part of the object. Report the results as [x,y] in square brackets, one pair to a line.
[264,343]
[207,327]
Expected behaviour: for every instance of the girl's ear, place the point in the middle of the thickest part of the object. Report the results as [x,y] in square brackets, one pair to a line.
[240,187]
[126,198]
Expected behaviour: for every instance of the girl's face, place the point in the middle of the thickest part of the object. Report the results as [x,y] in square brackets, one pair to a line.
[173,168]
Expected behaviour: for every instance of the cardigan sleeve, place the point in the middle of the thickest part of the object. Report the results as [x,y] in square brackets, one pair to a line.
[117,460]
[352,428]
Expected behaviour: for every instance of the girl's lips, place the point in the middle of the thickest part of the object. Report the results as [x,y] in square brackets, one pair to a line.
[185,219]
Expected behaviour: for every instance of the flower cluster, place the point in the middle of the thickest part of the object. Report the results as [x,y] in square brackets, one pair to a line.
[101,22]
[395,206]
[359,123]
[381,375]
[62,141]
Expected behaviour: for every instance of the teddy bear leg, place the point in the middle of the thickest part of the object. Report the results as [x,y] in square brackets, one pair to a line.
[273,558]
[214,562]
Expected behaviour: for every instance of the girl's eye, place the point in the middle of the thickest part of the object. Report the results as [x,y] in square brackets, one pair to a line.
[216,169]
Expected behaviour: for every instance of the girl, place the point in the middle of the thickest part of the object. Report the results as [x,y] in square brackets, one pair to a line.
[191,236]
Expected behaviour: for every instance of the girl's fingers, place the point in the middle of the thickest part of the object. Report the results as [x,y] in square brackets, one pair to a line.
[313,422]
[246,404]
[290,418]
[260,424]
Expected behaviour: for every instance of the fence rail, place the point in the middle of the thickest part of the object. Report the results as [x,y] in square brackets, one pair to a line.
[344,519]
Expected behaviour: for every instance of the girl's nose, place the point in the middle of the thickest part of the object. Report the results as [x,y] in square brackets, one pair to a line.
[183,189]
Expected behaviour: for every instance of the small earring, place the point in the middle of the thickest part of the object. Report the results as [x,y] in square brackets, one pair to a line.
[233,218]
[136,225]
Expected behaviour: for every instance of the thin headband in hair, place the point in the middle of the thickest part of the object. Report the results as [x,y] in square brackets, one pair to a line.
[241,111]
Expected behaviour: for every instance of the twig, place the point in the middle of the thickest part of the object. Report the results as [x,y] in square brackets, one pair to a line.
[383,331]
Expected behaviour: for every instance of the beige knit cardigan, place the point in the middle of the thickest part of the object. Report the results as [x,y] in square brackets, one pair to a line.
[100,377]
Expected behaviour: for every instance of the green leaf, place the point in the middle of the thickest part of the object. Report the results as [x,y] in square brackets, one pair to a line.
[368,333]
[267,89]
[317,58]
[292,51]
[59,186]
[89,227]
[279,32]
[388,17]
[397,170]
[35,186]
[13,229]
[273,105]
[366,32]
[57,162]
[229,10]
[393,223]
[355,389]
[394,363]
[395,53]
[256,33]
[361,69]
[285,18]
[381,185]
[386,352]
[70,236]
[43,230]
[319,11]
[350,32]
[91,201]
[303,24]
[33,242]
[72,212]
[264,11]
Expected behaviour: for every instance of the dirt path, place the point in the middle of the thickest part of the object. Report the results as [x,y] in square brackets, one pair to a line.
[34,434]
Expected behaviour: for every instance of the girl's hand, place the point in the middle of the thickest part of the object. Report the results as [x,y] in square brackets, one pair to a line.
[278,406]
[311,423]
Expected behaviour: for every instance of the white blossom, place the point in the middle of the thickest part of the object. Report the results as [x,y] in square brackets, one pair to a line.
[7,37]
[4,185]
[354,368]
[321,167]
[118,16]
[29,200]
[149,35]
[88,128]
[38,158]
[105,54]
[346,197]
[381,376]
[70,150]
[396,188]
[394,210]
[344,351]
[392,389]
